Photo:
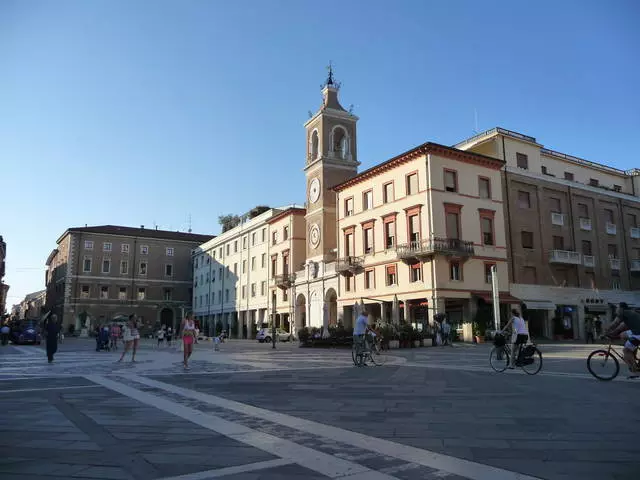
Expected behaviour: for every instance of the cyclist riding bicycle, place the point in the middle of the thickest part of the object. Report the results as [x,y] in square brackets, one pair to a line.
[519,335]
[627,326]
[360,332]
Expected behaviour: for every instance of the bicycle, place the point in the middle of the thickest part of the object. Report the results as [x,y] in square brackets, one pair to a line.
[601,359]
[373,353]
[529,357]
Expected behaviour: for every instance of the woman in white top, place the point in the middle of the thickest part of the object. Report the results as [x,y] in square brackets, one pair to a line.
[519,334]
[188,329]
[130,337]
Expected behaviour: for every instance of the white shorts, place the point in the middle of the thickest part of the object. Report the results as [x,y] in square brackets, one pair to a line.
[632,341]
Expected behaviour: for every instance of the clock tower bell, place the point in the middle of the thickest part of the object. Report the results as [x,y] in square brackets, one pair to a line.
[331,159]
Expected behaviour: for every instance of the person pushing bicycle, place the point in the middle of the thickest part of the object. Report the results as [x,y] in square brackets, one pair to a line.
[360,332]
[627,326]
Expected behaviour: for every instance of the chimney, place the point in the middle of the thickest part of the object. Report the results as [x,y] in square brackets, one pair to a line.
[156,227]
[142,227]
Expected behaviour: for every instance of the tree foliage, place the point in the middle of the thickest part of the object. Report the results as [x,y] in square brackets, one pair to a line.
[257,210]
[228,221]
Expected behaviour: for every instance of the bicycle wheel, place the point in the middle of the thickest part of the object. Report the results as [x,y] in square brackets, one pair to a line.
[499,359]
[535,366]
[378,357]
[603,365]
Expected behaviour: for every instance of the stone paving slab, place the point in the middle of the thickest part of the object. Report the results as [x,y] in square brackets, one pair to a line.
[542,426]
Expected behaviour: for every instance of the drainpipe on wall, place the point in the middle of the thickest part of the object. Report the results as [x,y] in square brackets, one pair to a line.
[507,205]
[431,234]
[624,243]
[573,228]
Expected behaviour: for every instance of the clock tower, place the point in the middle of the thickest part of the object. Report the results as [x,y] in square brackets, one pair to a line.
[331,159]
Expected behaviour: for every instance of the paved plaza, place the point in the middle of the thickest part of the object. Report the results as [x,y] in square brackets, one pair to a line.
[251,412]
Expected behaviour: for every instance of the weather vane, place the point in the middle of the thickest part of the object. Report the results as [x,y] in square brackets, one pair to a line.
[330,80]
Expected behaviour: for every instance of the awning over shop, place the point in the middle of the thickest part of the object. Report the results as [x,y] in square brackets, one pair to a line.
[539,305]
[504,297]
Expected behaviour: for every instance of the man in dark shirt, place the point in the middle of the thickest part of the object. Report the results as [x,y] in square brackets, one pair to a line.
[627,325]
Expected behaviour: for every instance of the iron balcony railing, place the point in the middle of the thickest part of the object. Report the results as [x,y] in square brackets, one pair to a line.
[349,265]
[285,280]
[435,246]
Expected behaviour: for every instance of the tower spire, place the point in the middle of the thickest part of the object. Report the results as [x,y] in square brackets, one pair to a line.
[330,91]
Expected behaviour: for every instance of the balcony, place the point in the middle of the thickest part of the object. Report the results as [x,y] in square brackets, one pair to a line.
[557,219]
[614,263]
[413,252]
[611,228]
[589,260]
[635,266]
[349,265]
[585,224]
[565,256]
[635,232]
[285,281]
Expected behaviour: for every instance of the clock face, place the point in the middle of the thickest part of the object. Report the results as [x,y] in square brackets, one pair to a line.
[314,235]
[314,190]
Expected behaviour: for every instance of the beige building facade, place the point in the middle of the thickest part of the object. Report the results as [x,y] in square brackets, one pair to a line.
[97,274]
[572,233]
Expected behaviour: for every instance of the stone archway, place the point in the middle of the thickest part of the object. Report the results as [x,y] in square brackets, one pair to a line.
[331,299]
[301,312]
[166,317]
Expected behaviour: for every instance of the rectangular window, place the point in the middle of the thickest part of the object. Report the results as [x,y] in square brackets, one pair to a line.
[453,225]
[166,294]
[235,246]
[484,187]
[389,235]
[586,247]
[285,233]
[522,161]
[285,262]
[244,243]
[143,268]
[263,260]
[486,224]
[527,239]
[554,204]
[86,265]
[348,207]
[106,265]
[367,200]
[450,181]
[88,245]
[274,238]
[106,247]
[347,284]
[274,266]
[368,240]
[144,249]
[544,170]
[226,295]
[558,242]
[169,251]
[414,228]
[612,250]
[529,275]
[168,270]
[369,279]
[264,235]
[244,266]
[583,211]
[253,263]
[632,220]
[391,275]
[220,253]
[263,288]
[594,182]
[487,272]
[608,213]
[524,199]
[416,272]
[244,291]
[235,269]
[84,291]
[124,267]
[142,293]
[568,176]
[253,239]
[124,248]
[348,244]
[617,188]
[228,248]
[412,183]
[387,192]
[122,293]
[253,290]
[285,295]
[455,271]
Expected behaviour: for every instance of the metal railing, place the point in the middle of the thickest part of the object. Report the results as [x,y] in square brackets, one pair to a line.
[435,245]
[589,260]
[349,264]
[285,280]
[565,256]
[614,263]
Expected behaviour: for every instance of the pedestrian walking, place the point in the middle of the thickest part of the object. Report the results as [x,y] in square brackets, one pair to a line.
[4,332]
[160,335]
[188,329]
[446,332]
[52,328]
[116,332]
[131,338]
[591,330]
[169,336]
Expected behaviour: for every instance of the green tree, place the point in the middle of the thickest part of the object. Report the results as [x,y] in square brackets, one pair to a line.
[228,221]
[257,210]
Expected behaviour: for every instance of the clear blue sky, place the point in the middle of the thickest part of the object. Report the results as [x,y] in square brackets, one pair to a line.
[130,113]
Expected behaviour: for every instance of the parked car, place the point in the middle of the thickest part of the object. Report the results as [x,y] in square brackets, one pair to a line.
[264,335]
[26,331]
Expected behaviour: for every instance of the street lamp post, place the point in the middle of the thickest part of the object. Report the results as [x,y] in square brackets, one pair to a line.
[273,320]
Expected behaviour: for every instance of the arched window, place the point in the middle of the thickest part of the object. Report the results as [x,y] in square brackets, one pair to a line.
[340,142]
[313,147]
